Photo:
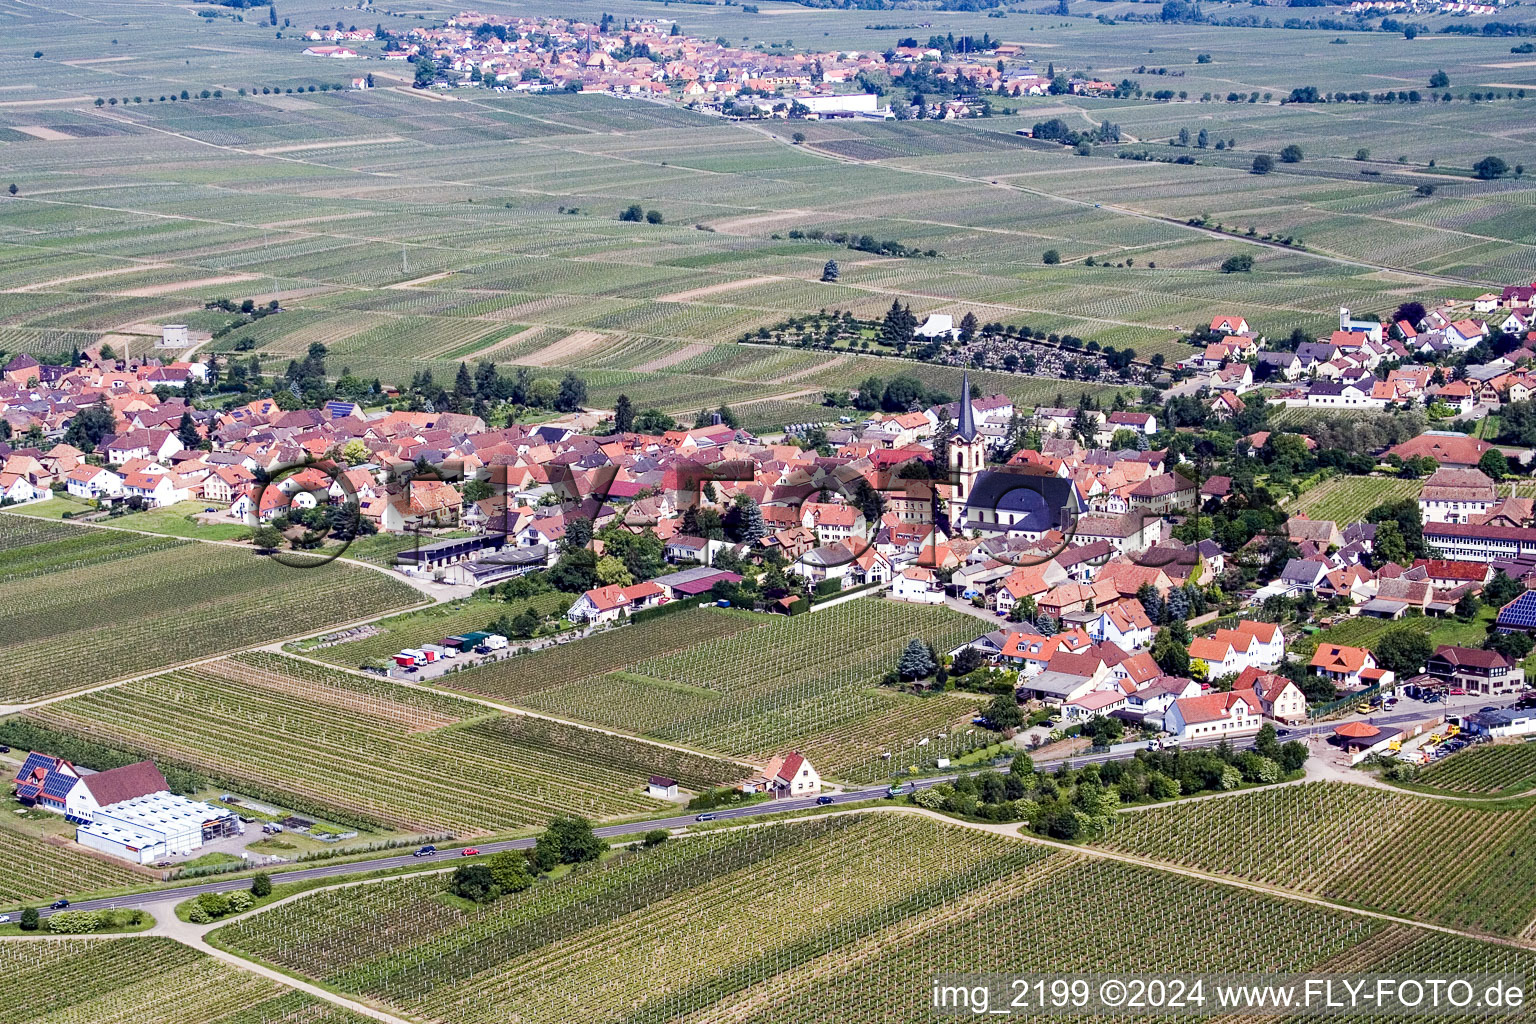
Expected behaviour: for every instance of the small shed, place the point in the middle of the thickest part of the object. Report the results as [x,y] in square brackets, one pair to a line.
[661,788]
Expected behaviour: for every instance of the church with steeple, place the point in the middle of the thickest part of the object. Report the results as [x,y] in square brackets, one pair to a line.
[967,454]
[1021,501]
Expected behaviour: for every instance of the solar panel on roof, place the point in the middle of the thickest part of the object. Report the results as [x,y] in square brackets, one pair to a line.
[58,784]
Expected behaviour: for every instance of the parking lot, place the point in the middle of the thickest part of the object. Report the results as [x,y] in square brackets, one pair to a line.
[438,669]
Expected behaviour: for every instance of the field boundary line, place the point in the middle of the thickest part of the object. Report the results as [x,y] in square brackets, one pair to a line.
[1278,892]
[512,709]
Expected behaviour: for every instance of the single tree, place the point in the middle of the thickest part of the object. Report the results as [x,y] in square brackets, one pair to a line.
[261,885]
[186,432]
[1439,80]
[1291,154]
[1050,257]
[267,538]
[1003,712]
[509,870]
[1403,650]
[623,415]
[916,662]
[1490,167]
[653,217]
[1494,463]
[1263,164]
[1242,263]
[829,272]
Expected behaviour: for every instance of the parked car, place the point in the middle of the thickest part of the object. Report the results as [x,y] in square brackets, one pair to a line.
[1489,708]
[1457,691]
[823,800]
[706,816]
[58,904]
[5,918]
[425,851]
[4,749]
[470,851]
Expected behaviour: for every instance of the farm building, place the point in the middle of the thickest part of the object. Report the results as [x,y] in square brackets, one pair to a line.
[154,826]
[128,812]
[693,582]
[661,788]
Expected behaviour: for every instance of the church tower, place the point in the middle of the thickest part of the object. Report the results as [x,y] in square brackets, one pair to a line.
[967,453]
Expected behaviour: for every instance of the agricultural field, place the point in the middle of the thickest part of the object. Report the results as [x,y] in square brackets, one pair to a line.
[409,231]
[80,605]
[149,980]
[35,869]
[860,913]
[1490,770]
[1346,499]
[376,754]
[429,625]
[1460,864]
[751,686]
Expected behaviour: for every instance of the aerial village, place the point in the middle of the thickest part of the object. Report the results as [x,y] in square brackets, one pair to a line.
[1131,562]
[655,59]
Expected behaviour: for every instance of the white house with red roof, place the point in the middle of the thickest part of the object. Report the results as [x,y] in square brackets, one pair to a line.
[157,489]
[605,604]
[142,444]
[833,522]
[917,584]
[786,775]
[1214,715]
[1352,668]
[93,482]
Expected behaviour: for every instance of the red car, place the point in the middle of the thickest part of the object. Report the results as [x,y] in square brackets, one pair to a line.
[469,851]
[1457,691]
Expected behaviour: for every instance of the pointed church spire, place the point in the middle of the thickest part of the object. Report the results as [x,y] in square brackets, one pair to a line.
[966,431]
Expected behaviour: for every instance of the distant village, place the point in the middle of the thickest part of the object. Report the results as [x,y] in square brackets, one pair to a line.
[653,58]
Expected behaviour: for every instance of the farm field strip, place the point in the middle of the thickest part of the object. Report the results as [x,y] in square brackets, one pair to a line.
[149,980]
[1433,860]
[747,686]
[376,751]
[1346,499]
[80,609]
[860,904]
[1501,767]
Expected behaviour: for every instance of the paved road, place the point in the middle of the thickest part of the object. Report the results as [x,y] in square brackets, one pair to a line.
[449,856]
[1416,713]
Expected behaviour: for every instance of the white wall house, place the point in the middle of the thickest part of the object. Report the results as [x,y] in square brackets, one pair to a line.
[917,584]
[93,482]
[1215,715]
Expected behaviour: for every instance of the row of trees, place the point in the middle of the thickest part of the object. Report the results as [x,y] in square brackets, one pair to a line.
[1071,804]
[568,840]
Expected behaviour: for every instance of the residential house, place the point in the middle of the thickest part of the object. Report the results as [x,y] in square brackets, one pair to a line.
[93,482]
[1455,494]
[1279,698]
[1215,715]
[1163,494]
[1220,658]
[605,604]
[917,584]
[1345,667]
[1476,670]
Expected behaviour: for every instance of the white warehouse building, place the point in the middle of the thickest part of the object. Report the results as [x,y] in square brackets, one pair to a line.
[153,827]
